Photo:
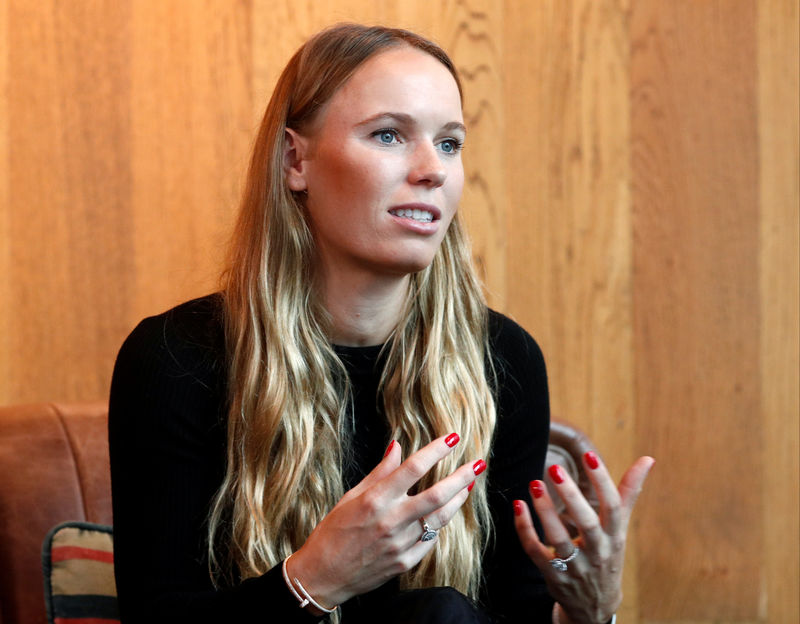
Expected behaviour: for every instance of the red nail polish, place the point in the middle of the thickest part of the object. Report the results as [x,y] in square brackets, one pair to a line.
[537,489]
[389,448]
[591,460]
[478,467]
[518,507]
[470,486]
[452,440]
[556,473]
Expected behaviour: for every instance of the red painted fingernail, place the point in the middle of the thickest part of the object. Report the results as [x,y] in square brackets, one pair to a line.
[591,460]
[452,440]
[389,448]
[518,507]
[537,488]
[556,473]
[478,467]
[470,486]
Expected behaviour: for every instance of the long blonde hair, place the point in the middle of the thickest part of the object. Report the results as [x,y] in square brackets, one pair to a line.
[288,390]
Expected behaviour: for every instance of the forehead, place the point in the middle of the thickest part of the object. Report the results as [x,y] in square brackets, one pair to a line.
[400,80]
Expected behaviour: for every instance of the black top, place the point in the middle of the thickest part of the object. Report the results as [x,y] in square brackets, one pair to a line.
[167,437]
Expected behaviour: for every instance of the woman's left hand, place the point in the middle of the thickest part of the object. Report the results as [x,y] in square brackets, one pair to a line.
[589,590]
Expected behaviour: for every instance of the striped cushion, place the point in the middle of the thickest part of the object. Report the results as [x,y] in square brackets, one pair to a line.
[78,563]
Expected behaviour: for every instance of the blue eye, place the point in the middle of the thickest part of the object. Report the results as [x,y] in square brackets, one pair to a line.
[451,146]
[387,136]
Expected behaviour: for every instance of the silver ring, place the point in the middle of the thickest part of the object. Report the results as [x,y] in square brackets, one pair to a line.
[427,532]
[561,564]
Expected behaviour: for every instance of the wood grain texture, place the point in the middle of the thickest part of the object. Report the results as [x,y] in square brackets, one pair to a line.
[191,113]
[5,214]
[632,194]
[695,174]
[779,184]
[569,220]
[70,194]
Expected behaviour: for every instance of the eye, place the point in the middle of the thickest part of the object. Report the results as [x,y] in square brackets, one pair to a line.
[451,146]
[387,136]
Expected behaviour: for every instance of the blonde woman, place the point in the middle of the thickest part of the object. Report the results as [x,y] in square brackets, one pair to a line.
[313,441]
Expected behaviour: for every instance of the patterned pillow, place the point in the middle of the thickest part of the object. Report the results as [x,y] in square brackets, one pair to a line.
[78,565]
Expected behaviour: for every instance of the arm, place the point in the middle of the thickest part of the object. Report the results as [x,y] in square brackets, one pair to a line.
[513,583]
[167,443]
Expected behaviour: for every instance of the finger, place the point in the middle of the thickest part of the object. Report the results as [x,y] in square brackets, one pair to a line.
[554,530]
[632,482]
[417,466]
[528,538]
[439,518]
[389,463]
[578,508]
[442,492]
[611,514]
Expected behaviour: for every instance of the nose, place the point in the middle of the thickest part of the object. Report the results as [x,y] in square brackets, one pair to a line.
[426,167]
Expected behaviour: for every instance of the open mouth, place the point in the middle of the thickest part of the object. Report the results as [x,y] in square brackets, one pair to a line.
[423,216]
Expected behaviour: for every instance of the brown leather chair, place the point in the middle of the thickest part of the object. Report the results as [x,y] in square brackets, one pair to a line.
[54,468]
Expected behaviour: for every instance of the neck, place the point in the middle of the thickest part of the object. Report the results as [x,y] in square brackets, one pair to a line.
[364,308]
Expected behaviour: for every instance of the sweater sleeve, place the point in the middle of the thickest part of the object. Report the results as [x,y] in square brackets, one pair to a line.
[167,446]
[514,587]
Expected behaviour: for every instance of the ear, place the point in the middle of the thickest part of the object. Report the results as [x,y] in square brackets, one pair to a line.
[295,151]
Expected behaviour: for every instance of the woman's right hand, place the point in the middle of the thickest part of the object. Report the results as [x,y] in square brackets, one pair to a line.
[373,533]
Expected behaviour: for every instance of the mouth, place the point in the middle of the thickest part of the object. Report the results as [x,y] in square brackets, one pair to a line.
[423,213]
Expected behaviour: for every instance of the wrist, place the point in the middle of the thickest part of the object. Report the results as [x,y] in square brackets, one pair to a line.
[560,616]
[308,596]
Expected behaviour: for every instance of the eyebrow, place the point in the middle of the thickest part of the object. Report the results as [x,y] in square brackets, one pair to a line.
[406,119]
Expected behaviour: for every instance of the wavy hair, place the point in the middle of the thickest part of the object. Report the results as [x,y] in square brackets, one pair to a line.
[288,391]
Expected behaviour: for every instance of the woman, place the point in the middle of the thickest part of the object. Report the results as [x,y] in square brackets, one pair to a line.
[251,475]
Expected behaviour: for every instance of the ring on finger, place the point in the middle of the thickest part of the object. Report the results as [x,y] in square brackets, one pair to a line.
[427,532]
[561,564]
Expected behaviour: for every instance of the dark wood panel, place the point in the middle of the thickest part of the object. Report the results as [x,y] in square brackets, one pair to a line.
[696,324]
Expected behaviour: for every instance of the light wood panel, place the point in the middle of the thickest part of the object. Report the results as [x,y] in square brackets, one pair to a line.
[632,192]
[779,185]
[69,195]
[569,220]
[695,200]
[5,214]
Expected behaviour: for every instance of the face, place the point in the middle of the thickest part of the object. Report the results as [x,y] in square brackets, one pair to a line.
[382,165]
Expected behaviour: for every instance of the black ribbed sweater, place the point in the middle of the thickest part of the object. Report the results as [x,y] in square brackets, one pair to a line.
[167,437]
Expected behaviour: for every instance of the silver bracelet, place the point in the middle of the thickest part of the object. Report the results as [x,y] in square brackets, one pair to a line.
[557,618]
[305,599]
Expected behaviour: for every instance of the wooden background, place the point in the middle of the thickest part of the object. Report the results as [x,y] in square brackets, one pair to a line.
[633,195]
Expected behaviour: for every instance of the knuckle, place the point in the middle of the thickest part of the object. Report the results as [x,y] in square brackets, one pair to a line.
[436,497]
[371,503]
[416,467]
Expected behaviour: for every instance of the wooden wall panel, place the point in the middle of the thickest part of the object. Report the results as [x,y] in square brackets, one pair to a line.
[569,222]
[779,185]
[69,195]
[192,128]
[632,194]
[695,199]
[5,214]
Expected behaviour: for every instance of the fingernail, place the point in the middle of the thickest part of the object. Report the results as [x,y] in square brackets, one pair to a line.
[452,440]
[537,488]
[478,467]
[591,460]
[389,448]
[470,486]
[556,473]
[517,507]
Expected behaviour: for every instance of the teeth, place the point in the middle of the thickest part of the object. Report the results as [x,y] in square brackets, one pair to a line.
[418,215]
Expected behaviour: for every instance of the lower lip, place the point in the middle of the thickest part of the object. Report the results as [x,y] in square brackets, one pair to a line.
[419,227]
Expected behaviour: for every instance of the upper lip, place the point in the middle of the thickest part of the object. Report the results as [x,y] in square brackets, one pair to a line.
[437,214]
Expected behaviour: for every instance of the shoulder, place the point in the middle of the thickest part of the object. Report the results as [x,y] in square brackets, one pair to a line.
[187,340]
[513,350]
